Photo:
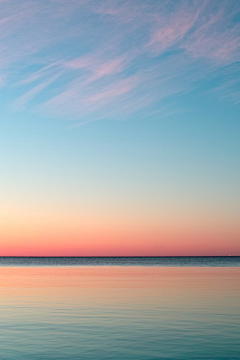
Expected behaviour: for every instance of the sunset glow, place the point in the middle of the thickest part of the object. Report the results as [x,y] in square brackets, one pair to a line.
[119,128]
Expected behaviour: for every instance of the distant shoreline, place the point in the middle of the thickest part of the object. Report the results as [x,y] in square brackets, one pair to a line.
[151,261]
[121,257]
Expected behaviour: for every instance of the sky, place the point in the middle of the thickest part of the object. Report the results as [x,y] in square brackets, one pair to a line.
[119,127]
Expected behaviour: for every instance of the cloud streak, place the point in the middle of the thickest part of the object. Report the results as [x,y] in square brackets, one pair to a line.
[94,59]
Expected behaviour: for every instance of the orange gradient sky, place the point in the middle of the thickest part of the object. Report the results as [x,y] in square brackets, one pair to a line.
[25,232]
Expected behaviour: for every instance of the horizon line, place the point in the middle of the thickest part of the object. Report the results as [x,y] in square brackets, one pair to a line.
[154,256]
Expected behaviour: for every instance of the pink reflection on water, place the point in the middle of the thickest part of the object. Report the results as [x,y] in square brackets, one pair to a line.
[121,286]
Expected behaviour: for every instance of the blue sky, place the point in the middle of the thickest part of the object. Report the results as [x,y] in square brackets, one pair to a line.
[91,60]
[123,109]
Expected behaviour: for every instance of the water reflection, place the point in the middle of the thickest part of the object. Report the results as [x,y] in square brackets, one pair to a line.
[119,313]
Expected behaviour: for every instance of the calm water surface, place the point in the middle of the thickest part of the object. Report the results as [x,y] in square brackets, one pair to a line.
[119,312]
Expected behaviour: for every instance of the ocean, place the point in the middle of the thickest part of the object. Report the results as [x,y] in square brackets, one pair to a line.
[120,308]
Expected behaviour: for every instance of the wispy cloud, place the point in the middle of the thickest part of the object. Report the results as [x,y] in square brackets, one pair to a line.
[112,58]
[171,29]
[216,37]
[80,101]
[98,68]
[230,88]
[23,100]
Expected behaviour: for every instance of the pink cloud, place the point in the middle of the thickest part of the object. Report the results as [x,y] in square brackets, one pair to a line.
[170,31]
[121,44]
[125,12]
[117,89]
[111,67]
[221,47]
[98,67]
[80,63]
[87,99]
[212,40]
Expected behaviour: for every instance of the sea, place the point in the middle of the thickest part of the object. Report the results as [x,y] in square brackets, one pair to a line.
[124,308]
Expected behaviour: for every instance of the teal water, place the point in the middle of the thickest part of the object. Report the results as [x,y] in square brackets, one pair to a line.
[119,312]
